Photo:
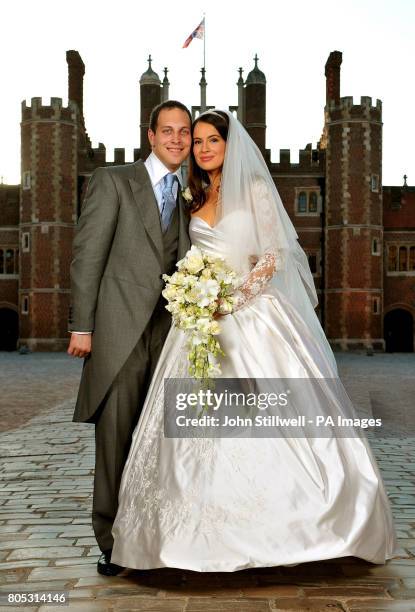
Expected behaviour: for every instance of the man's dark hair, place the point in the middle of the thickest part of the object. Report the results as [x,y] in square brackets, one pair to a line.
[168,104]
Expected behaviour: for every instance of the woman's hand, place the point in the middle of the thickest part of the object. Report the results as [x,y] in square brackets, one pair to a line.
[223,308]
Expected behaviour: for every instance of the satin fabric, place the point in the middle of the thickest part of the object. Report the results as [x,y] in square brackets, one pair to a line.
[228,504]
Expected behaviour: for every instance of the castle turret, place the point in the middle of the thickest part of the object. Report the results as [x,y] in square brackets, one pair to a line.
[353,222]
[255,105]
[150,96]
[47,220]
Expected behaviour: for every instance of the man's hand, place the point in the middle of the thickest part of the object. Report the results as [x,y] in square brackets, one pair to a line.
[80,345]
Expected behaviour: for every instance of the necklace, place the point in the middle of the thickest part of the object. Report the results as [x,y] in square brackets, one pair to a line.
[215,188]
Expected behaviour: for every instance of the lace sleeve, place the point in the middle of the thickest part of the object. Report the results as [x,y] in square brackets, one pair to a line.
[256,281]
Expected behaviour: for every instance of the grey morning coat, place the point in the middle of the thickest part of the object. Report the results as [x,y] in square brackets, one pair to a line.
[119,256]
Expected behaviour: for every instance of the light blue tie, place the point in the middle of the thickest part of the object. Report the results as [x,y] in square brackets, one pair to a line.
[168,201]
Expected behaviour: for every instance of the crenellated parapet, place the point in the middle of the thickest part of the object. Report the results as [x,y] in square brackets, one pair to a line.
[347,109]
[55,111]
[309,160]
[97,157]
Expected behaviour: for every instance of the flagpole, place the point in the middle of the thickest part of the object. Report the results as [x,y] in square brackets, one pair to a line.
[204,41]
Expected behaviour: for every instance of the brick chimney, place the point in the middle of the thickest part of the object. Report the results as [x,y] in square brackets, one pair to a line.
[76,71]
[332,72]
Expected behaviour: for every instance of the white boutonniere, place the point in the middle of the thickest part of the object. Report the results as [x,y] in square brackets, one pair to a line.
[187,195]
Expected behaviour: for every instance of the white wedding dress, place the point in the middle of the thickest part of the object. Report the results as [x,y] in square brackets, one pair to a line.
[226,504]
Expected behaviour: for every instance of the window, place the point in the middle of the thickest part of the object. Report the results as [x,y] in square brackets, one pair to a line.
[312,202]
[26,242]
[401,258]
[302,202]
[374,182]
[376,305]
[375,247]
[403,263]
[9,261]
[26,181]
[314,261]
[392,258]
[307,201]
[25,304]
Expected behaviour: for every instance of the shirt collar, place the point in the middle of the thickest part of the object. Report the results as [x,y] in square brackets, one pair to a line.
[157,170]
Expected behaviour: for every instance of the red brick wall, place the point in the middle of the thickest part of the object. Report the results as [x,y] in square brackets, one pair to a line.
[354,218]
[255,111]
[49,152]
[9,205]
[9,238]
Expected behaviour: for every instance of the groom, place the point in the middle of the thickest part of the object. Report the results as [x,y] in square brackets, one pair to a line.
[133,228]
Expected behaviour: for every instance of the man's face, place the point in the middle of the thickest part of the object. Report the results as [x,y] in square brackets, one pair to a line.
[172,139]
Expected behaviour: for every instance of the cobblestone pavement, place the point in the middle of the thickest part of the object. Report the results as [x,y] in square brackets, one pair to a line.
[46,540]
[33,383]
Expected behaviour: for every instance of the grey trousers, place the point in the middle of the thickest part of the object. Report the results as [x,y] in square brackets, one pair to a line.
[117,417]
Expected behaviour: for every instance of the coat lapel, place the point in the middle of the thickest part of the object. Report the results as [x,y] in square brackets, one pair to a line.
[145,199]
[147,205]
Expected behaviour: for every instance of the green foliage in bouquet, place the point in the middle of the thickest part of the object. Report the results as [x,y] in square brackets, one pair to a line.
[202,283]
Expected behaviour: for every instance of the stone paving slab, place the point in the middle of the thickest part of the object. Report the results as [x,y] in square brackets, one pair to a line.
[36,376]
[46,538]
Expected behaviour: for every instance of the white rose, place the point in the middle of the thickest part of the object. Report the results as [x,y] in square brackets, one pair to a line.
[187,195]
[194,260]
[214,328]
[203,325]
[208,292]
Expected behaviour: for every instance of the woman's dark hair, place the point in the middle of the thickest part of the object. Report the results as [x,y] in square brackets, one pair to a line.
[198,178]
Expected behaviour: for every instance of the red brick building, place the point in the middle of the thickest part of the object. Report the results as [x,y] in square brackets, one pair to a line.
[359,235]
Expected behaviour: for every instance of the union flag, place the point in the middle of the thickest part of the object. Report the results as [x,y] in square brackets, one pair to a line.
[198,33]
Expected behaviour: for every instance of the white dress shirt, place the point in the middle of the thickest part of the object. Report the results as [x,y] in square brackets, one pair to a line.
[157,171]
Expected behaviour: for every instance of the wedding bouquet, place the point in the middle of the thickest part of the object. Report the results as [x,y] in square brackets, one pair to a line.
[194,293]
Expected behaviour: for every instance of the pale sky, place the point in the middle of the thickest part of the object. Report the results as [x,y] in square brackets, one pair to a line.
[292,39]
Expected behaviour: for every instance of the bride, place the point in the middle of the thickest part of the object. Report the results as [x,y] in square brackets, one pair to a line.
[225,504]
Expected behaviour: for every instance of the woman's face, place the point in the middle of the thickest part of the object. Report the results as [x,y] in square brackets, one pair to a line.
[208,147]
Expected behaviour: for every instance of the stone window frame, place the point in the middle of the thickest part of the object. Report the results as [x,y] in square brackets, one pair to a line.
[410,256]
[317,254]
[26,242]
[376,249]
[374,183]
[25,305]
[26,180]
[308,191]
[376,305]
[15,257]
